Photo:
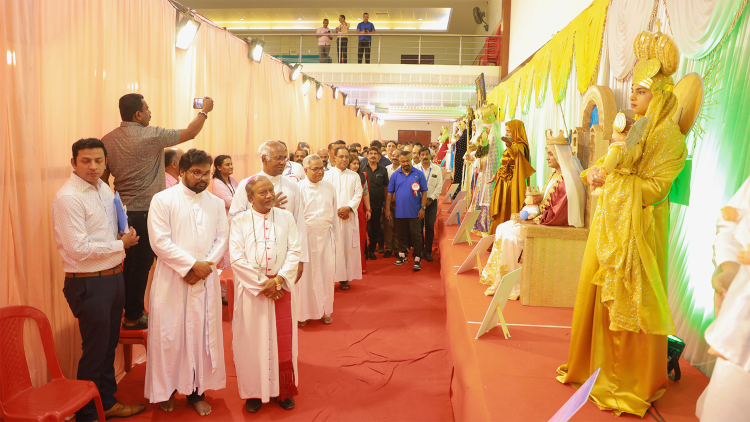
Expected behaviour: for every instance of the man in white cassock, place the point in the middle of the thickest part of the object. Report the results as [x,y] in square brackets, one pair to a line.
[273,158]
[265,249]
[315,288]
[187,230]
[348,194]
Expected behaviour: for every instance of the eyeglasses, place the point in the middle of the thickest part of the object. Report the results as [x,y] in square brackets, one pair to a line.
[198,175]
[316,169]
[280,158]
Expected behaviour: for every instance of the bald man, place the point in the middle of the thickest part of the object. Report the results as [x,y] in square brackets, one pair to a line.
[323,154]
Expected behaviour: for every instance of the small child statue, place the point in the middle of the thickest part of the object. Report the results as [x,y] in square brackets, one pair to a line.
[625,148]
[532,201]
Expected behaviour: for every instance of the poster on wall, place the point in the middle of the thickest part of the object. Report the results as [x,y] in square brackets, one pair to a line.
[481,92]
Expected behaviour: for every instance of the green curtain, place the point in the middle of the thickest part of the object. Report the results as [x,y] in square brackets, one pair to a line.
[720,166]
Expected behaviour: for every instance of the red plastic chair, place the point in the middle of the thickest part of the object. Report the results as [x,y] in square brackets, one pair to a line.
[128,338]
[227,278]
[19,401]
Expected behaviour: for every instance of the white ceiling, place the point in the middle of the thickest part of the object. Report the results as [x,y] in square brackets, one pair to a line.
[447,16]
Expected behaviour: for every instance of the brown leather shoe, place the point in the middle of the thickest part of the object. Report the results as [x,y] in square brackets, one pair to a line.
[120,410]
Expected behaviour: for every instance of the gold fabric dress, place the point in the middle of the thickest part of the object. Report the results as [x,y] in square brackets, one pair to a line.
[621,317]
[510,179]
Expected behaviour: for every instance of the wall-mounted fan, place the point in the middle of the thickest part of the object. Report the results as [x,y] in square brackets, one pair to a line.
[479,18]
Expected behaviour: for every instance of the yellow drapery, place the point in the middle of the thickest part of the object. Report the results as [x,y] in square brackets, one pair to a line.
[579,42]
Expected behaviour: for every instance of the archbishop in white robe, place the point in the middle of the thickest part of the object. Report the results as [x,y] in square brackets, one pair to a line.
[185,344]
[254,324]
[315,287]
[348,189]
[725,398]
[281,185]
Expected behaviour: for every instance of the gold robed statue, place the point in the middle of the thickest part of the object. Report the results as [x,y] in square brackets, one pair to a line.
[621,317]
[510,178]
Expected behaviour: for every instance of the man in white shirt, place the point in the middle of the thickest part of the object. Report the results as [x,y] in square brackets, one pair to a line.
[323,154]
[315,299]
[265,248]
[292,169]
[324,42]
[415,154]
[348,195]
[84,220]
[172,165]
[273,156]
[434,175]
[342,40]
[188,232]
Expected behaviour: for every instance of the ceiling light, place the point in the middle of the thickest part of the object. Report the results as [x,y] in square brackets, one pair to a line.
[319,91]
[336,93]
[419,19]
[299,19]
[305,84]
[295,71]
[359,19]
[256,49]
[242,19]
[186,30]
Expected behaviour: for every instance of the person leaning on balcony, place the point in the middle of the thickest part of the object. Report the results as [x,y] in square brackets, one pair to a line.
[365,41]
[324,42]
[342,41]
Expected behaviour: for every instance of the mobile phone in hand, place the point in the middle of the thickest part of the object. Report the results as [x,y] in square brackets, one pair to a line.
[198,103]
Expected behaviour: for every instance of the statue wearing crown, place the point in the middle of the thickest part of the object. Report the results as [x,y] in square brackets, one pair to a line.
[560,203]
[621,317]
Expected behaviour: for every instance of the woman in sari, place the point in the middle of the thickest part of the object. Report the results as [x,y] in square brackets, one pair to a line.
[621,317]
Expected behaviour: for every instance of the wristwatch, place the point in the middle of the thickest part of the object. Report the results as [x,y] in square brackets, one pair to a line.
[424,208]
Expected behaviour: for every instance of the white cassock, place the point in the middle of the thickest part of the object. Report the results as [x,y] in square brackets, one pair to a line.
[254,323]
[185,343]
[281,184]
[726,395]
[315,294]
[348,188]
[294,171]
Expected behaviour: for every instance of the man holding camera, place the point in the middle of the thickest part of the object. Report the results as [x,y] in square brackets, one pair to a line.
[136,160]
[324,42]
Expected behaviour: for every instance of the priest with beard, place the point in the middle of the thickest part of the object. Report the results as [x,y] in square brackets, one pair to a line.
[188,232]
[265,249]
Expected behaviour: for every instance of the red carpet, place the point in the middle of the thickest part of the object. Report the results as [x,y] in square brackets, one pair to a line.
[514,380]
[385,357]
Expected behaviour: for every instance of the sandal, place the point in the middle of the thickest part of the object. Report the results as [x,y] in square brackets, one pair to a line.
[302,323]
[326,319]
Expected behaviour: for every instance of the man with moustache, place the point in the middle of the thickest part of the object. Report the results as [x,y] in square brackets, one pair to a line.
[188,232]
[300,155]
[323,154]
[265,248]
[434,176]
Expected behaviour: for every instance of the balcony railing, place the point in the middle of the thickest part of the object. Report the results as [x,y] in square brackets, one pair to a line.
[407,48]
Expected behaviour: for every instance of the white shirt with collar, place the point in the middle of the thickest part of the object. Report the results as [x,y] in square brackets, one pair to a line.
[84,220]
[294,171]
[434,176]
[282,185]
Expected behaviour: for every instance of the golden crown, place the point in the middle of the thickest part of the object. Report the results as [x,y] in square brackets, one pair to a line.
[556,140]
[488,113]
[655,52]
[532,190]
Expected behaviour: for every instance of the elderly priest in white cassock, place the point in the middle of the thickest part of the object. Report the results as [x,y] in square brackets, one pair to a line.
[348,194]
[187,230]
[273,159]
[315,300]
[265,249]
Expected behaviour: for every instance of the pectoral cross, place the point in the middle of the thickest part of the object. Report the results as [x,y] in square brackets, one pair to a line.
[657,24]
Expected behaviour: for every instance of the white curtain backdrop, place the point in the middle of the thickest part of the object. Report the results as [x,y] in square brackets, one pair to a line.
[699,25]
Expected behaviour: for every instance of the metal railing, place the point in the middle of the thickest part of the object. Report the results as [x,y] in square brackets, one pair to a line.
[390,48]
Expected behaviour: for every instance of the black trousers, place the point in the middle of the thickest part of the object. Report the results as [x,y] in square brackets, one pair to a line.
[138,261]
[97,304]
[364,48]
[409,231]
[430,215]
[343,45]
[375,229]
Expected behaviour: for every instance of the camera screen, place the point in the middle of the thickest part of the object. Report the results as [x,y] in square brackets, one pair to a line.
[198,103]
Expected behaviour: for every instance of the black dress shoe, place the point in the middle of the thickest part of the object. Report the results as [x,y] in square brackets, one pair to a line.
[287,404]
[141,324]
[387,254]
[372,256]
[253,405]
[427,257]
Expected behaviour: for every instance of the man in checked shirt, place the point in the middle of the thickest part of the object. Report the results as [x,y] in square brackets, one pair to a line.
[85,225]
